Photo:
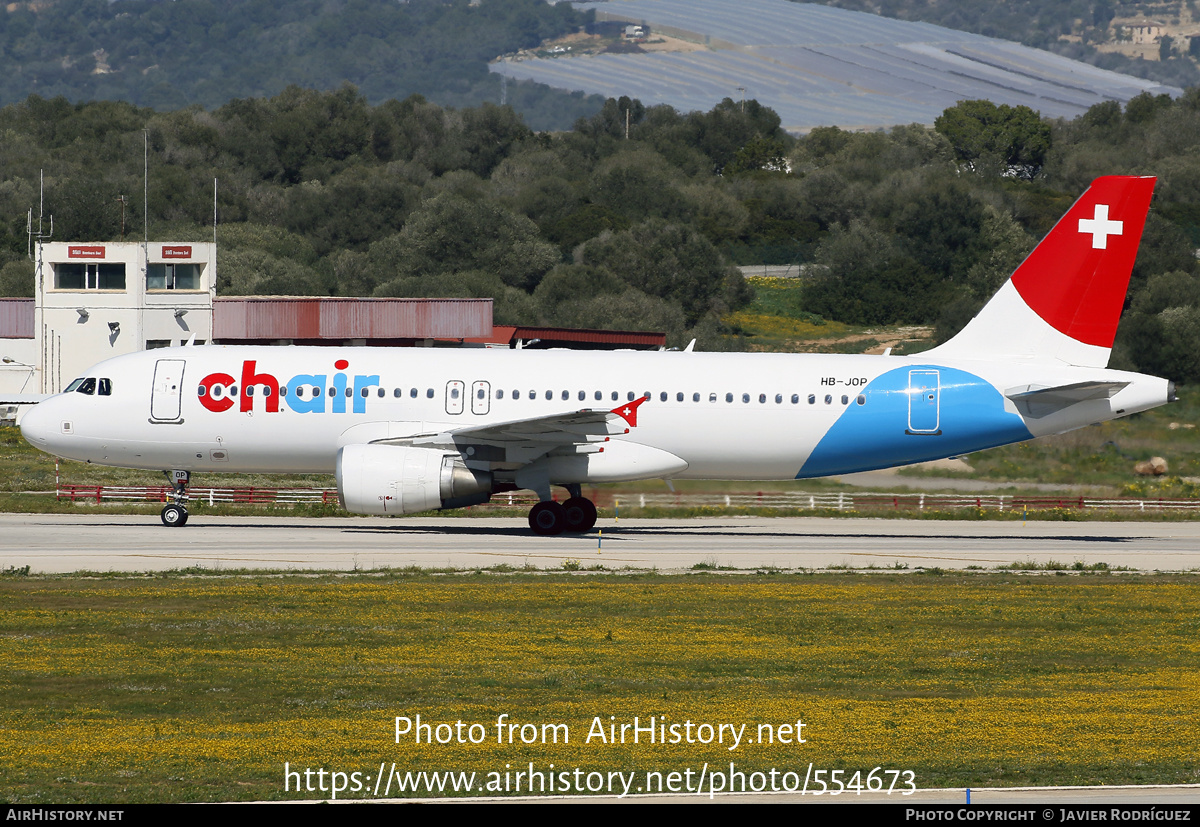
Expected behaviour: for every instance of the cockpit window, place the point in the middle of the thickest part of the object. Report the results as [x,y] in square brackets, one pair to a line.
[87,386]
[105,388]
[73,386]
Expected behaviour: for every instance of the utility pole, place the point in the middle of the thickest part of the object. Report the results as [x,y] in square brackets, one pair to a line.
[123,199]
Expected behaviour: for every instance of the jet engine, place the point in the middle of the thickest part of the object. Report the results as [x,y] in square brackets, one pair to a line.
[393,479]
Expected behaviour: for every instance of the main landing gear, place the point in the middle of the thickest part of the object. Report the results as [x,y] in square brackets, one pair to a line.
[175,513]
[575,516]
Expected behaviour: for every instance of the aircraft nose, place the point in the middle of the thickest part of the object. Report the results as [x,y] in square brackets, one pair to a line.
[36,426]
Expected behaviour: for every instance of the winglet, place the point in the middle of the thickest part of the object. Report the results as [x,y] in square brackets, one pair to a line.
[628,411]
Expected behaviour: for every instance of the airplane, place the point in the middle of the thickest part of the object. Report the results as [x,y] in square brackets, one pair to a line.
[412,430]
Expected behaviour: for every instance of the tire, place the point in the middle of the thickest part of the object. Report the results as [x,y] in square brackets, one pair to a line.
[580,514]
[174,516]
[548,518]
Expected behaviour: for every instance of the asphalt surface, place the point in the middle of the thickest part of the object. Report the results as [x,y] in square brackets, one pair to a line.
[104,543]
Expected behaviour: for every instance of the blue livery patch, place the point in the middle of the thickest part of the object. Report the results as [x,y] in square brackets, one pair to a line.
[913,414]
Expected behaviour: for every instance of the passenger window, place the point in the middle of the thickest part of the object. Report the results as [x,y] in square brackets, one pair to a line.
[105,388]
[429,393]
[745,397]
[712,397]
[599,396]
[582,395]
[828,399]
[845,399]
[762,397]
[413,393]
[630,399]
[616,396]
[333,391]
[365,391]
[779,399]
[549,395]
[729,397]
[795,398]
[249,390]
[679,397]
[480,394]
[533,394]
[812,399]
[566,395]
[499,393]
[862,400]
[349,392]
[662,397]
[695,397]
[283,390]
[396,393]
[454,393]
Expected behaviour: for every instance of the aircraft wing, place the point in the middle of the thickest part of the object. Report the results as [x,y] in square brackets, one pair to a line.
[521,441]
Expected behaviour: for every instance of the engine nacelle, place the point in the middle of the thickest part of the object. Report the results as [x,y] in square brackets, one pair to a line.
[393,479]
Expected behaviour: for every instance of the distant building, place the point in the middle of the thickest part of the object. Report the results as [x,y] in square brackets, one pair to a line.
[94,301]
[1144,32]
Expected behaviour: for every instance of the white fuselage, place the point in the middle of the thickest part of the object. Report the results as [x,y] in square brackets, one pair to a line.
[726,416]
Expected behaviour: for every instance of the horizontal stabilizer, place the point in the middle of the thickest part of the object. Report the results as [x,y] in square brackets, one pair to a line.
[1037,402]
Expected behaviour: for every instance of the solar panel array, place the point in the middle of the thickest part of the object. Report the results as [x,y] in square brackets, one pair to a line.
[822,66]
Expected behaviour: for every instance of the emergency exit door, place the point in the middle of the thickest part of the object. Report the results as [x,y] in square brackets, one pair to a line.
[924,402]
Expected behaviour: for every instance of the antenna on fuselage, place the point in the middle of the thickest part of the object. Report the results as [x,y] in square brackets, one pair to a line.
[39,236]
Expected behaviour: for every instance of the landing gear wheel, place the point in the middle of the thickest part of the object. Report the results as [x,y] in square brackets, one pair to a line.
[548,518]
[580,514]
[174,516]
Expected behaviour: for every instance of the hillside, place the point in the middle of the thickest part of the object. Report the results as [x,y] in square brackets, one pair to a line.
[168,55]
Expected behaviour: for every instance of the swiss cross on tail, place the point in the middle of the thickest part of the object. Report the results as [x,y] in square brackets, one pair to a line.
[1077,277]
[1100,227]
[628,411]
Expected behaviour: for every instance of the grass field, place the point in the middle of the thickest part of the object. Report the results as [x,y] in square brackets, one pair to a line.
[777,321]
[187,688]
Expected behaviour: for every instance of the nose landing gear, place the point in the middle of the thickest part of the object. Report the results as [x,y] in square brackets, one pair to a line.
[175,514]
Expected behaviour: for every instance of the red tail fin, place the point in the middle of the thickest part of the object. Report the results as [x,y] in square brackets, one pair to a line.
[1064,301]
[1077,277]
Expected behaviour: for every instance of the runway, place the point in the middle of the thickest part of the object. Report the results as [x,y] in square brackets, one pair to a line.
[57,543]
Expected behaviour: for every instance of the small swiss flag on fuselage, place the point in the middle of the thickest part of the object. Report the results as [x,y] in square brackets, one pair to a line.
[628,411]
[1077,277]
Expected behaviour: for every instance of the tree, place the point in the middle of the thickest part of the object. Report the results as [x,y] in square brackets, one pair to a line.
[983,135]
[448,233]
[669,261]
